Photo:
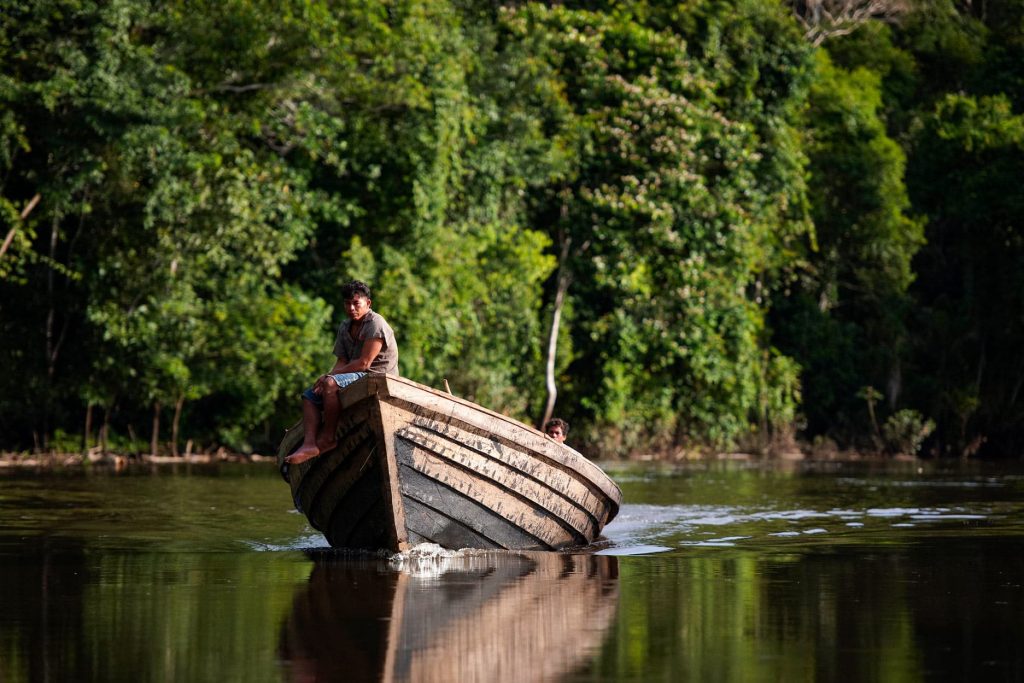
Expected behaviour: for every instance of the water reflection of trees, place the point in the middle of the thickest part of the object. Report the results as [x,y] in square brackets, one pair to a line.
[482,616]
[72,612]
[951,608]
[41,593]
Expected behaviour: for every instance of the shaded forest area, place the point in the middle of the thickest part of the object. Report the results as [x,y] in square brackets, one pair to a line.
[707,224]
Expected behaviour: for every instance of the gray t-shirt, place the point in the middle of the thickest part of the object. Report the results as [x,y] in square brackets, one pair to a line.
[374,327]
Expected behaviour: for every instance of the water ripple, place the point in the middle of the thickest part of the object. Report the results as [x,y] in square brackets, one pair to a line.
[650,527]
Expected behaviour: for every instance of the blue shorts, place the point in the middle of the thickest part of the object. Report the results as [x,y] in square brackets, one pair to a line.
[342,380]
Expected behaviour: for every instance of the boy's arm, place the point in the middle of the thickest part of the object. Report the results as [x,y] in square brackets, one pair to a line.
[371,349]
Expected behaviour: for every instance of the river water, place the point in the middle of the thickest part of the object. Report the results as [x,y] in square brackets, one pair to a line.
[711,572]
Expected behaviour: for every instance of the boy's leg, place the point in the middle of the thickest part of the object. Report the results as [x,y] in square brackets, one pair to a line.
[310,427]
[328,437]
[313,443]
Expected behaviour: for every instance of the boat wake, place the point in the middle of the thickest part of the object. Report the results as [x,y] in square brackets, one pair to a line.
[646,529]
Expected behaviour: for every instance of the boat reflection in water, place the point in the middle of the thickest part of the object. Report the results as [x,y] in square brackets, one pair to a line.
[434,615]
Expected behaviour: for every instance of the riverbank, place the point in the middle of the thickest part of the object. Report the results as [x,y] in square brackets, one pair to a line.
[118,462]
[10,460]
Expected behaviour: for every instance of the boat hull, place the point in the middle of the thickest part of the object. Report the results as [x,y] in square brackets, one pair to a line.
[414,465]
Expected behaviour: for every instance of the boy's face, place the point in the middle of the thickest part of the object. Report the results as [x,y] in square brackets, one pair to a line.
[357,306]
[556,433]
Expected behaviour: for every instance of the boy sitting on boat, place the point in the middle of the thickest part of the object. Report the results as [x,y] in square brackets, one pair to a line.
[365,344]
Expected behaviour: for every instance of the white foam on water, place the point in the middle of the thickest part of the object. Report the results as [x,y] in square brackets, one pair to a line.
[638,524]
[634,550]
[710,544]
[430,561]
[791,514]
[892,512]
[654,526]
[715,520]
[308,542]
[634,517]
[424,569]
[724,542]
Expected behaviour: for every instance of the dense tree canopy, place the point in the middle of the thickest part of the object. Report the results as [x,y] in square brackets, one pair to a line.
[706,224]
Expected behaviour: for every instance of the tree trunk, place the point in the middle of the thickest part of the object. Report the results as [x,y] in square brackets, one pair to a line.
[105,429]
[178,405]
[50,315]
[51,306]
[87,432]
[562,286]
[876,433]
[895,384]
[155,438]
[24,214]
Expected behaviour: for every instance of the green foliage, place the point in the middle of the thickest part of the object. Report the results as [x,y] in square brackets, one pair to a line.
[905,431]
[845,320]
[675,234]
[970,290]
[167,226]
[752,228]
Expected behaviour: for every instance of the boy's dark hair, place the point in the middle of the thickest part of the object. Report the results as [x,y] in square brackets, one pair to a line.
[353,288]
[557,422]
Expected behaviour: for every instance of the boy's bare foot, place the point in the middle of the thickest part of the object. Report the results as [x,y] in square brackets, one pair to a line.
[325,446]
[302,455]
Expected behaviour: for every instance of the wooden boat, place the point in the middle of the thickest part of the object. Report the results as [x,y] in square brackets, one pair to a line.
[489,616]
[415,465]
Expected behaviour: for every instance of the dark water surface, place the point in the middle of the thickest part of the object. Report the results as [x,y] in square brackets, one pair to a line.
[712,572]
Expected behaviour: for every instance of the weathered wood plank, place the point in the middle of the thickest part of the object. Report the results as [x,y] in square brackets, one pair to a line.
[504,427]
[498,531]
[563,481]
[530,517]
[428,525]
[373,530]
[509,481]
[355,509]
[386,420]
[360,462]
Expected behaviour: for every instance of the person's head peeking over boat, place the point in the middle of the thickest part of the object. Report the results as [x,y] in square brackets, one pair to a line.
[557,429]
